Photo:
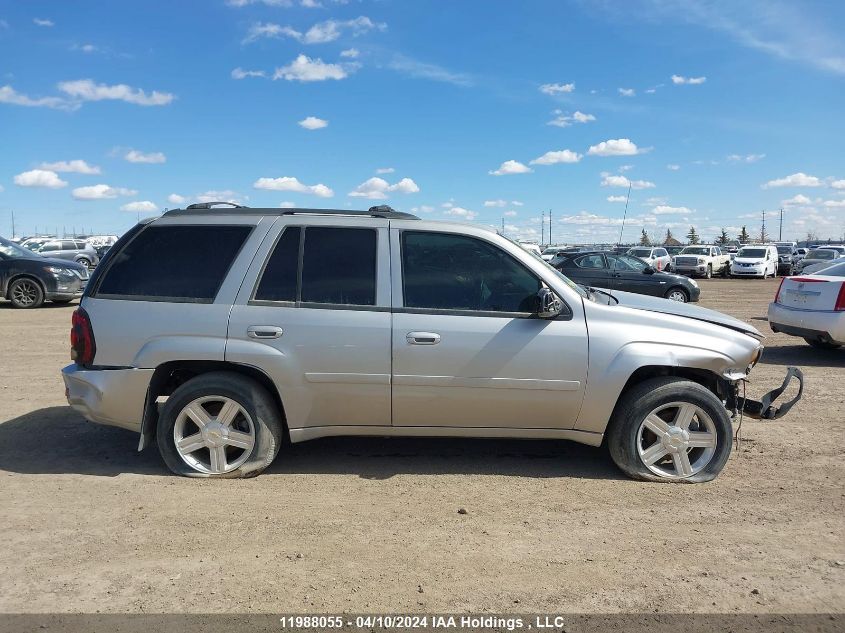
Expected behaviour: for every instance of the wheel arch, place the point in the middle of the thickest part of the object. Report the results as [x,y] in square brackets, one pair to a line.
[168,376]
[24,275]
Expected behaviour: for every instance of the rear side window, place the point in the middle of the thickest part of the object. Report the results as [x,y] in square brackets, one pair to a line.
[278,282]
[177,263]
[339,266]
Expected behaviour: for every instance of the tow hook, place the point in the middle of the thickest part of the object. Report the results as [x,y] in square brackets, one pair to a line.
[765,409]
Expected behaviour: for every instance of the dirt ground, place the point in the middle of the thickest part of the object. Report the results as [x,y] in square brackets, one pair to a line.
[89,524]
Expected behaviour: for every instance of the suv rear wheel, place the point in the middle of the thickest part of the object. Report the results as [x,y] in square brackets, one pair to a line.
[219,424]
[670,429]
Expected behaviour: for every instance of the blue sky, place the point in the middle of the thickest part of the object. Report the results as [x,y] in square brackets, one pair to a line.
[473,110]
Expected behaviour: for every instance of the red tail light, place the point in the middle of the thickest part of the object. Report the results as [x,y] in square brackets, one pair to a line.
[780,285]
[82,344]
[840,298]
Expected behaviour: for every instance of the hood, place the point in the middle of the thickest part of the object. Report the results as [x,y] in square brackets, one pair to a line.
[37,260]
[750,260]
[665,306]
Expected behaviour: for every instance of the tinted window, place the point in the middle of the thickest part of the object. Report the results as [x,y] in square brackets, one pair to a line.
[660,252]
[185,263]
[81,245]
[51,246]
[339,266]
[590,261]
[278,282]
[640,252]
[625,263]
[456,272]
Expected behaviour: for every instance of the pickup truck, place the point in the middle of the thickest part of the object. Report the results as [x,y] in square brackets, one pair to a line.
[702,260]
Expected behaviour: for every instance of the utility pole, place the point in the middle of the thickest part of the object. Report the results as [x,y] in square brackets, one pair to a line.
[542,227]
[503,226]
[763,231]
[780,230]
[551,241]
[13,225]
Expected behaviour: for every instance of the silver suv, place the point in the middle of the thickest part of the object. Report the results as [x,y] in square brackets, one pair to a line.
[218,333]
[72,250]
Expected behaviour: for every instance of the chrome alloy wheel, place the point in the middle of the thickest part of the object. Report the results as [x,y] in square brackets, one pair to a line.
[25,292]
[214,434]
[676,440]
[677,295]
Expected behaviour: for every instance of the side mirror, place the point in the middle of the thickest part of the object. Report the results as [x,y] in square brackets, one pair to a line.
[648,270]
[548,305]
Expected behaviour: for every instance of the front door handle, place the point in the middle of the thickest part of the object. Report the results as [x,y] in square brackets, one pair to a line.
[422,338]
[264,331]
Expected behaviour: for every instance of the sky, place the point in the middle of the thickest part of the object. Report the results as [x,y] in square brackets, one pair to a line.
[494,112]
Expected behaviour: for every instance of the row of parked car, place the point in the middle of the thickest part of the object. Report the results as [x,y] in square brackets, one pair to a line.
[83,250]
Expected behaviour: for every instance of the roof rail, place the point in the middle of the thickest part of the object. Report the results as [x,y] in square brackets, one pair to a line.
[380,211]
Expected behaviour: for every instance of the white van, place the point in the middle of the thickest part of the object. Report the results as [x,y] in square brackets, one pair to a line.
[755,260]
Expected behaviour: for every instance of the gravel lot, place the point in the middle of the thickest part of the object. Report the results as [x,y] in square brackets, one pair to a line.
[357,525]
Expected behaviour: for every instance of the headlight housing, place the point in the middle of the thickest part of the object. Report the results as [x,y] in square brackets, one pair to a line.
[59,271]
[701,260]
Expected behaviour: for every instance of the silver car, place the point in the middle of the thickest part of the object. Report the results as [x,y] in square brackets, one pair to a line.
[74,250]
[217,333]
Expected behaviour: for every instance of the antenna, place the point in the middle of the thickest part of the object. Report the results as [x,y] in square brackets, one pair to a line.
[13,225]
[542,227]
[780,230]
[621,231]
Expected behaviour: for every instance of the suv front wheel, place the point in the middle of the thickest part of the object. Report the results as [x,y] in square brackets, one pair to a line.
[670,429]
[219,424]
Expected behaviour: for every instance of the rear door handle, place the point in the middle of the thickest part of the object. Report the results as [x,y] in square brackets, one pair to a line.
[264,331]
[422,338]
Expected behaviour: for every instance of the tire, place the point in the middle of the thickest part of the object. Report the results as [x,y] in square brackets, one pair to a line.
[26,293]
[257,417]
[628,436]
[84,261]
[822,344]
[676,293]
[709,273]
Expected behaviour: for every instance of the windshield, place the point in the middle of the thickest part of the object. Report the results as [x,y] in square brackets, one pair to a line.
[752,252]
[12,250]
[822,253]
[696,250]
[640,252]
[784,250]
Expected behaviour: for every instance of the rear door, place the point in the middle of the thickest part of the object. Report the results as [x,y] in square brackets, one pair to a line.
[314,315]
[589,270]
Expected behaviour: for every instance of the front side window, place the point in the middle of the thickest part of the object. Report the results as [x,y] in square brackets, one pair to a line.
[177,263]
[50,246]
[590,261]
[455,272]
[625,263]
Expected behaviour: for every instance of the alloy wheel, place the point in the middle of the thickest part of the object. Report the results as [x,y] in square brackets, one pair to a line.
[676,440]
[214,434]
[677,295]
[25,293]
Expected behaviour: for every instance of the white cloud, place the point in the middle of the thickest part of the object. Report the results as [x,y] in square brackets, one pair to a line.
[287,204]
[101,192]
[510,167]
[423,208]
[152,158]
[219,195]
[509,214]
[313,123]
[799,199]
[350,53]
[615,147]
[495,203]
[627,92]
[88,48]
[433,72]
[665,209]
[615,180]
[11,96]
[141,206]
[87,90]
[378,188]
[40,22]
[175,198]
[834,204]
[560,156]
[692,81]
[673,167]
[240,73]
[563,119]
[269,3]
[462,213]
[747,158]
[517,203]
[838,184]
[288,183]
[555,89]
[304,68]
[320,33]
[385,170]
[40,178]
[71,166]
[799,179]
[616,198]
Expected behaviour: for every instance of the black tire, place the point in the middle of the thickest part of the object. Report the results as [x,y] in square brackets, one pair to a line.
[822,344]
[709,273]
[255,400]
[675,289]
[26,293]
[647,396]
[726,272]
[84,261]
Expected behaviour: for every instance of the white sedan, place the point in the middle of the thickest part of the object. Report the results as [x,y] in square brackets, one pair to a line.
[812,307]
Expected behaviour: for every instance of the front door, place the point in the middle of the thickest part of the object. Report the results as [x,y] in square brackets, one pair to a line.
[467,350]
[628,275]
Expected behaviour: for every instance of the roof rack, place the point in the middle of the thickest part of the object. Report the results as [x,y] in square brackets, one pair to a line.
[380,211]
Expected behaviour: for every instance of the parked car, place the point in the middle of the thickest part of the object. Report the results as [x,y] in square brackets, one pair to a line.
[532,248]
[28,279]
[549,253]
[702,260]
[221,332]
[820,266]
[786,259]
[72,250]
[673,250]
[657,257]
[816,256]
[34,243]
[600,269]
[800,253]
[755,261]
[812,307]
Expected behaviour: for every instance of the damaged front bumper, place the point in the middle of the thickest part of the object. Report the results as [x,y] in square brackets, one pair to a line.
[765,408]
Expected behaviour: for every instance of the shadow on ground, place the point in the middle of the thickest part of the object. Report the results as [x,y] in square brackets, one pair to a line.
[802,355]
[56,440]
